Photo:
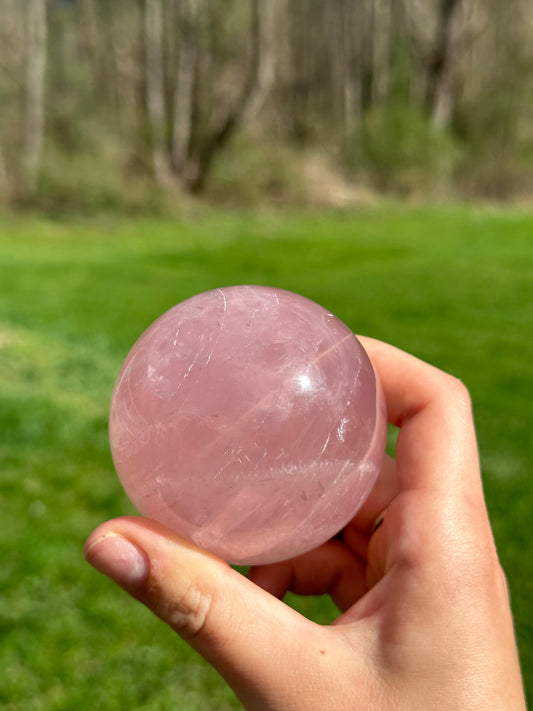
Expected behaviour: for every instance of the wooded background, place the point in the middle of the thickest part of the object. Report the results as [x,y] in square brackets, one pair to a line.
[113,103]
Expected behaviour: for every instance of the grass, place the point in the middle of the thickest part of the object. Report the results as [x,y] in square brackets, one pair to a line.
[453,286]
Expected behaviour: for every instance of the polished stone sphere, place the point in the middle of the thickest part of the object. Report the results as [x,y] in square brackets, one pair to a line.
[250,421]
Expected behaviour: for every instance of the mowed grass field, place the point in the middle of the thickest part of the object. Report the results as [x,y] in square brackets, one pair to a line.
[453,286]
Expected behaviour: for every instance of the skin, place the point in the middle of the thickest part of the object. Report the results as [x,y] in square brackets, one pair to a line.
[425,622]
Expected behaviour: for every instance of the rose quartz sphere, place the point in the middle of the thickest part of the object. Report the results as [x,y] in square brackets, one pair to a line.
[250,421]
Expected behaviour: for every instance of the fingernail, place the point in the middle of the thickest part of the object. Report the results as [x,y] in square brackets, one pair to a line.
[377,523]
[118,558]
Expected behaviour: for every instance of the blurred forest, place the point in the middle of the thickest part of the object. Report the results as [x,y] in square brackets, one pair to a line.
[133,104]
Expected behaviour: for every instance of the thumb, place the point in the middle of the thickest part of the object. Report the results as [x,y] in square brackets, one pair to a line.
[257,643]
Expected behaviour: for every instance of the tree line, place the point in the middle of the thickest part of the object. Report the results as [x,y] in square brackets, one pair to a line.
[161,88]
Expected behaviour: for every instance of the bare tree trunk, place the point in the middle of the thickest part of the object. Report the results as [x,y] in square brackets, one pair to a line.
[440,87]
[367,31]
[96,35]
[358,25]
[34,99]
[225,129]
[155,89]
[382,51]
[4,182]
[184,90]
[266,69]
[351,50]
[299,30]
[91,37]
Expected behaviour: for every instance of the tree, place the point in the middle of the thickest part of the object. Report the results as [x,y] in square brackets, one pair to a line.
[184,85]
[155,90]
[256,84]
[179,154]
[440,80]
[4,182]
[265,76]
[34,94]
[358,35]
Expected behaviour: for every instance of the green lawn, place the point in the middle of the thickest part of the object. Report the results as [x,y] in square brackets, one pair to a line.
[453,286]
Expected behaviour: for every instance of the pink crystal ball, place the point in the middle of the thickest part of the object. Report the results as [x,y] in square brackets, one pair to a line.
[250,421]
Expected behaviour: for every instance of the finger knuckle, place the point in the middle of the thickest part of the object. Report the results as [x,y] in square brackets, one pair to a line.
[456,394]
[457,389]
[188,614]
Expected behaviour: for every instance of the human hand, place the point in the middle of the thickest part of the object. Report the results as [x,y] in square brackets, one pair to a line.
[425,620]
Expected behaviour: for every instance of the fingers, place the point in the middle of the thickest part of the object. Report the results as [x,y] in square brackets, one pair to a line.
[338,567]
[385,490]
[436,447]
[330,569]
[439,515]
[250,637]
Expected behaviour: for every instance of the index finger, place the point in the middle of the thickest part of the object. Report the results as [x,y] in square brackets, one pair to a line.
[438,522]
[436,448]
